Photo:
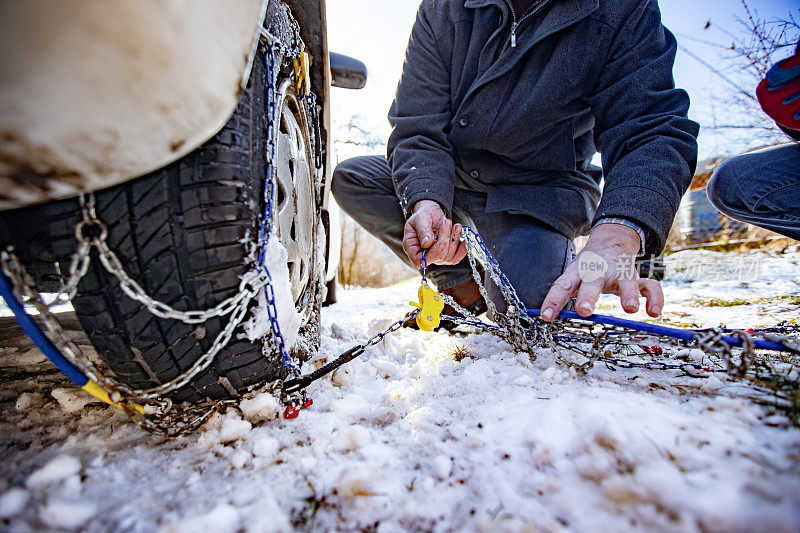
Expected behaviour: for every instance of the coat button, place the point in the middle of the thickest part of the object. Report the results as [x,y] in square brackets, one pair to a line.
[464,121]
[474,173]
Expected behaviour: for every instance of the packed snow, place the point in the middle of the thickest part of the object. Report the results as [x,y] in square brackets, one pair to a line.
[432,432]
[288,318]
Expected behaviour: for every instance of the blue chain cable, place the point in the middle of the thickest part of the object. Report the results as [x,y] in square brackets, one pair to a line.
[266,226]
[663,331]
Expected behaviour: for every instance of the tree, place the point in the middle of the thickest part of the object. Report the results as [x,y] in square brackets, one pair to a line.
[752,50]
[364,261]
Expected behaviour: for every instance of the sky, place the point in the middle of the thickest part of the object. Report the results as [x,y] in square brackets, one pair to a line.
[376,32]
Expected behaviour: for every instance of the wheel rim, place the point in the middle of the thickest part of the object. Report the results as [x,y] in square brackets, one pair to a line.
[296,210]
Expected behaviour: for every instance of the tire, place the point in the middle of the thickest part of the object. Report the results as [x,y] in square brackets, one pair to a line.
[186,234]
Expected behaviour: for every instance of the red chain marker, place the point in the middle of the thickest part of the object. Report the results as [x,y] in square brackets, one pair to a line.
[293,411]
[653,350]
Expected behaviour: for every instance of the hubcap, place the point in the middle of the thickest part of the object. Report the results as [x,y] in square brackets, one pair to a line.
[296,210]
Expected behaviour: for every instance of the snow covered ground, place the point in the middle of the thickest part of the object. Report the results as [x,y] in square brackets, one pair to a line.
[429,432]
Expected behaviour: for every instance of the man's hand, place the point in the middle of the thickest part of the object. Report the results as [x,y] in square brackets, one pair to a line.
[428,227]
[607,264]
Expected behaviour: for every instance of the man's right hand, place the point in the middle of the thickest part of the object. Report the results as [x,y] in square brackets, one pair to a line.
[428,227]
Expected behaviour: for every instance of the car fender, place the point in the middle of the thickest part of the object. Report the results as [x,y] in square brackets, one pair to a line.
[96,92]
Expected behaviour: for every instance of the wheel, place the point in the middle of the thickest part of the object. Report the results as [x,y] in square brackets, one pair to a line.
[186,234]
[298,211]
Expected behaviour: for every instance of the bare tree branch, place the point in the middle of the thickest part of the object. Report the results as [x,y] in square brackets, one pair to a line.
[753,50]
[357,133]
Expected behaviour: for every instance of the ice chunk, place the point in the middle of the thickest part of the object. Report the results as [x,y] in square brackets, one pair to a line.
[355,481]
[351,439]
[264,446]
[66,514]
[387,368]
[240,458]
[26,400]
[233,428]
[12,502]
[696,355]
[222,519]
[342,377]
[420,418]
[59,469]
[72,399]
[260,408]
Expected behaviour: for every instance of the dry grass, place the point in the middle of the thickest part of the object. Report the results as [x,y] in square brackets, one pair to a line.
[459,353]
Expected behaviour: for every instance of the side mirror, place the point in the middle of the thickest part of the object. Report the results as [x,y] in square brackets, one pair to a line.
[347,72]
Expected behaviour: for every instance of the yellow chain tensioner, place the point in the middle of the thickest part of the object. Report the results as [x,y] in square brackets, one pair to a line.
[430,306]
[301,75]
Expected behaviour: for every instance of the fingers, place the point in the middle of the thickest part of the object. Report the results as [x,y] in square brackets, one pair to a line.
[651,289]
[420,233]
[455,247]
[446,247]
[438,252]
[460,253]
[423,224]
[629,295]
[452,243]
[411,244]
[560,293]
[588,293]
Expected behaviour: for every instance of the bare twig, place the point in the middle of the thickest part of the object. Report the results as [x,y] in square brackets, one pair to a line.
[751,53]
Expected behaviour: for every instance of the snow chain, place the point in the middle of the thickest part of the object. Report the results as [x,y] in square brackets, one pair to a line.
[597,343]
[161,415]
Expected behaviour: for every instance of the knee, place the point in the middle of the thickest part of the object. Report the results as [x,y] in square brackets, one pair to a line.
[340,179]
[349,178]
[723,186]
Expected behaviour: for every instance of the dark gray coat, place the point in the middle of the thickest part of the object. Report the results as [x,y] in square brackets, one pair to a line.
[523,122]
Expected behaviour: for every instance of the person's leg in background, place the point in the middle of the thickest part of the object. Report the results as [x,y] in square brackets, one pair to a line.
[761,188]
[363,188]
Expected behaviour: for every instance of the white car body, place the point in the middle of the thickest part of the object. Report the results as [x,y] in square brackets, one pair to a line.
[97,92]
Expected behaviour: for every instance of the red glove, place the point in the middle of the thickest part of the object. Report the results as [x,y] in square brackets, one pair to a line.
[779,92]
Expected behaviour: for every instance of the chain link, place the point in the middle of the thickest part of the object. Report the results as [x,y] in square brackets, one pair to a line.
[294,389]
[266,226]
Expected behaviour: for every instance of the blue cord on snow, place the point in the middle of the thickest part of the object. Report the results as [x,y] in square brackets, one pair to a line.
[655,329]
[37,336]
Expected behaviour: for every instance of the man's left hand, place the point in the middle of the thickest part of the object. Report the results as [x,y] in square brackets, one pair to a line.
[607,264]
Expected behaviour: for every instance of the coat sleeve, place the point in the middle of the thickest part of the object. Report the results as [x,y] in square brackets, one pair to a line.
[647,143]
[419,150]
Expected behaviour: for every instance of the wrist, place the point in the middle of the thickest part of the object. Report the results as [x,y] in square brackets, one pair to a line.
[423,204]
[618,236]
[634,233]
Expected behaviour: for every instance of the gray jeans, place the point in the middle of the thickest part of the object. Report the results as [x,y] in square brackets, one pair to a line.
[531,254]
[761,188]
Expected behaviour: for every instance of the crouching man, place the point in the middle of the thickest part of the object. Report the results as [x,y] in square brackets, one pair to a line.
[499,110]
[763,188]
